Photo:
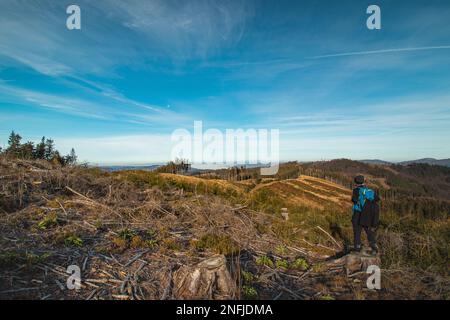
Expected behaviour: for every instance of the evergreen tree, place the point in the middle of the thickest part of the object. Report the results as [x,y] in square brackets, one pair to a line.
[58,159]
[26,150]
[40,149]
[49,149]
[13,144]
[43,150]
[71,158]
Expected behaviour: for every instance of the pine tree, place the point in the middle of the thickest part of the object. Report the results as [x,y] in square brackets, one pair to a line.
[40,149]
[71,158]
[14,144]
[57,159]
[49,149]
[26,150]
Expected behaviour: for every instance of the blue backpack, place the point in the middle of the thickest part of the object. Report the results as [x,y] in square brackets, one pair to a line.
[364,195]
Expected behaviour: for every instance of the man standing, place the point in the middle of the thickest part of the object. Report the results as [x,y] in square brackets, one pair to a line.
[365,214]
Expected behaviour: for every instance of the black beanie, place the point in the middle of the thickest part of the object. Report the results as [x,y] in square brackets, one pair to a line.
[359,179]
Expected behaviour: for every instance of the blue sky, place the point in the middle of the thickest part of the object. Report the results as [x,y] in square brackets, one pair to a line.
[137,70]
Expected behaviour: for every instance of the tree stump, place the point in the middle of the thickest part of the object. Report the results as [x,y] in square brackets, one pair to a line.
[209,279]
[357,262]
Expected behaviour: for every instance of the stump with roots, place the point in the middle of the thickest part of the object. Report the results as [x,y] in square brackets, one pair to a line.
[209,279]
[357,262]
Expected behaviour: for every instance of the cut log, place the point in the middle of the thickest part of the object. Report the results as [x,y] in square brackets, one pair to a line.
[209,279]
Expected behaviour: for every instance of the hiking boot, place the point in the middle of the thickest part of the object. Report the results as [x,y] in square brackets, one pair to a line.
[357,249]
[374,250]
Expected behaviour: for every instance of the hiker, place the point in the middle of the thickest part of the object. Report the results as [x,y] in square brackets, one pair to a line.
[365,214]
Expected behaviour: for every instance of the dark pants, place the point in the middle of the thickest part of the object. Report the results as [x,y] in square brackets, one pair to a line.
[357,228]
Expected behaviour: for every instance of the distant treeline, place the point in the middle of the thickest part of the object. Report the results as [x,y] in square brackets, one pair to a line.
[179,166]
[288,170]
[44,150]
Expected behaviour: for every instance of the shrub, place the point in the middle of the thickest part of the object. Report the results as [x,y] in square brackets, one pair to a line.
[264,261]
[120,243]
[300,264]
[151,243]
[32,258]
[127,234]
[282,264]
[48,221]
[249,292]
[73,241]
[248,277]
[137,242]
[281,250]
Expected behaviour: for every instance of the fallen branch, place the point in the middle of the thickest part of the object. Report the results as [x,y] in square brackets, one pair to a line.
[136,257]
[329,235]
[93,201]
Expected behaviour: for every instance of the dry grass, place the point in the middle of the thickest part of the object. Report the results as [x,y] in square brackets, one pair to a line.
[129,231]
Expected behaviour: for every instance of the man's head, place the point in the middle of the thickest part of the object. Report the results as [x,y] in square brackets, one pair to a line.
[359,179]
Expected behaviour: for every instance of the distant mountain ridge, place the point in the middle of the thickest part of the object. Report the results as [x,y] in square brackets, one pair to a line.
[193,170]
[124,168]
[376,161]
[430,161]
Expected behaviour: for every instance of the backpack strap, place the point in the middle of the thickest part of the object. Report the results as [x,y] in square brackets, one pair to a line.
[361,199]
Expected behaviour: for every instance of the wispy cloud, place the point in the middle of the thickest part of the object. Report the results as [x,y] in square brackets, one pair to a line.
[370,52]
[105,107]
